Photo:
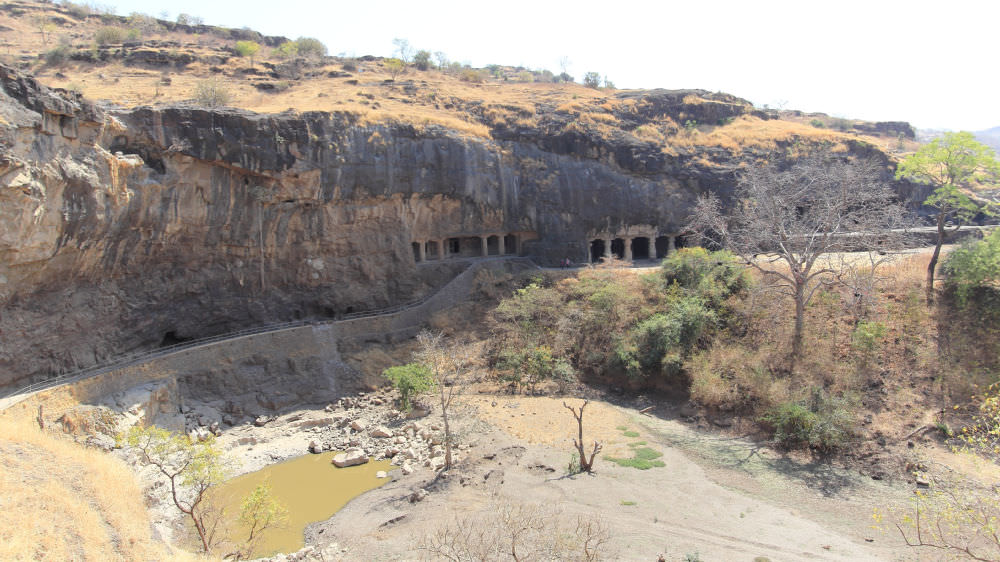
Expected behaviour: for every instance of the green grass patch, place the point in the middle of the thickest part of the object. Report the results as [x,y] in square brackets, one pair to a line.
[627,502]
[637,444]
[647,454]
[631,434]
[633,462]
[643,458]
[622,428]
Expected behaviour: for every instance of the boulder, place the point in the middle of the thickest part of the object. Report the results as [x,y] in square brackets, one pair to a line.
[352,457]
[315,448]
[381,474]
[418,495]
[406,469]
[358,425]
[381,432]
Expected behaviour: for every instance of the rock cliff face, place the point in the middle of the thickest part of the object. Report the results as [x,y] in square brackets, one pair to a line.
[128,229]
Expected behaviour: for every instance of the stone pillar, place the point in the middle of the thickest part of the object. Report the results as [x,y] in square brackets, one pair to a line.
[628,249]
[671,244]
[483,250]
[422,251]
[607,248]
[443,248]
[500,238]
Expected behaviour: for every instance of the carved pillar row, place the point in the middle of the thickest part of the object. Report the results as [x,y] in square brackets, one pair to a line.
[628,249]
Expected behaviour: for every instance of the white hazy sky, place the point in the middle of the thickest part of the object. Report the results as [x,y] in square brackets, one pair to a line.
[934,64]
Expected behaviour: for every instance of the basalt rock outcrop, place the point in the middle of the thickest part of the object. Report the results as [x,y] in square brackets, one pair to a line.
[128,229]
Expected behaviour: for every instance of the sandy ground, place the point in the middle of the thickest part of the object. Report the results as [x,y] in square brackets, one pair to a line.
[724,498]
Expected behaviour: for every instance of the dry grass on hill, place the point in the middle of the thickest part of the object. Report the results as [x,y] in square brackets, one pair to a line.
[61,501]
[420,98]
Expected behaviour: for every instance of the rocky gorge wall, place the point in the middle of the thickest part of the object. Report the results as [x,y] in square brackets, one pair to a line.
[128,229]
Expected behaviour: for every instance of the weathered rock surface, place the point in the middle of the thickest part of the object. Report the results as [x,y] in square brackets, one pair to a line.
[123,230]
[352,457]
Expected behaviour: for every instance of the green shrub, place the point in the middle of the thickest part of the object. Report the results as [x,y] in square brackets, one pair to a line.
[842,124]
[592,80]
[533,366]
[660,343]
[974,265]
[349,65]
[211,93]
[471,75]
[867,336]
[714,276]
[824,424]
[247,49]
[109,35]
[286,50]
[310,47]
[57,55]
[422,60]
[410,380]
[818,124]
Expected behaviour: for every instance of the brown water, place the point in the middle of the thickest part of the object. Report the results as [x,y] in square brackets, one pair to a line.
[309,487]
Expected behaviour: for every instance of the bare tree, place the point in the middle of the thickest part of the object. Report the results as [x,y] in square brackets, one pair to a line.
[586,465]
[785,222]
[403,49]
[447,362]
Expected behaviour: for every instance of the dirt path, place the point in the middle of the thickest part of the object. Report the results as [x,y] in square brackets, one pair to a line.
[722,498]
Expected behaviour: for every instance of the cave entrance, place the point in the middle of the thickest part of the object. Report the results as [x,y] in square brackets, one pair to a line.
[510,244]
[416,251]
[432,250]
[493,246]
[640,248]
[618,248]
[171,338]
[662,244]
[680,242]
[596,250]
[454,247]
[472,247]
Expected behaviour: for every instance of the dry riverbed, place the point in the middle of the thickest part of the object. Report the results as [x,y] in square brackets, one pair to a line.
[724,498]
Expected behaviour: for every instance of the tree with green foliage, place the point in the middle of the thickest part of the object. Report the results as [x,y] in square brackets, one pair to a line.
[953,163]
[422,60]
[259,512]
[310,47]
[411,380]
[395,67]
[191,469]
[286,50]
[973,265]
[592,80]
[247,49]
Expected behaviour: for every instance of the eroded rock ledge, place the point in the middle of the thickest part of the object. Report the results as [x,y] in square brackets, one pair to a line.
[128,229]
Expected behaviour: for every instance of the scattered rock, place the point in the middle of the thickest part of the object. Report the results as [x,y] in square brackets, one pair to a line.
[406,469]
[261,421]
[418,495]
[358,425]
[381,474]
[352,457]
[315,448]
[381,431]
[496,475]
